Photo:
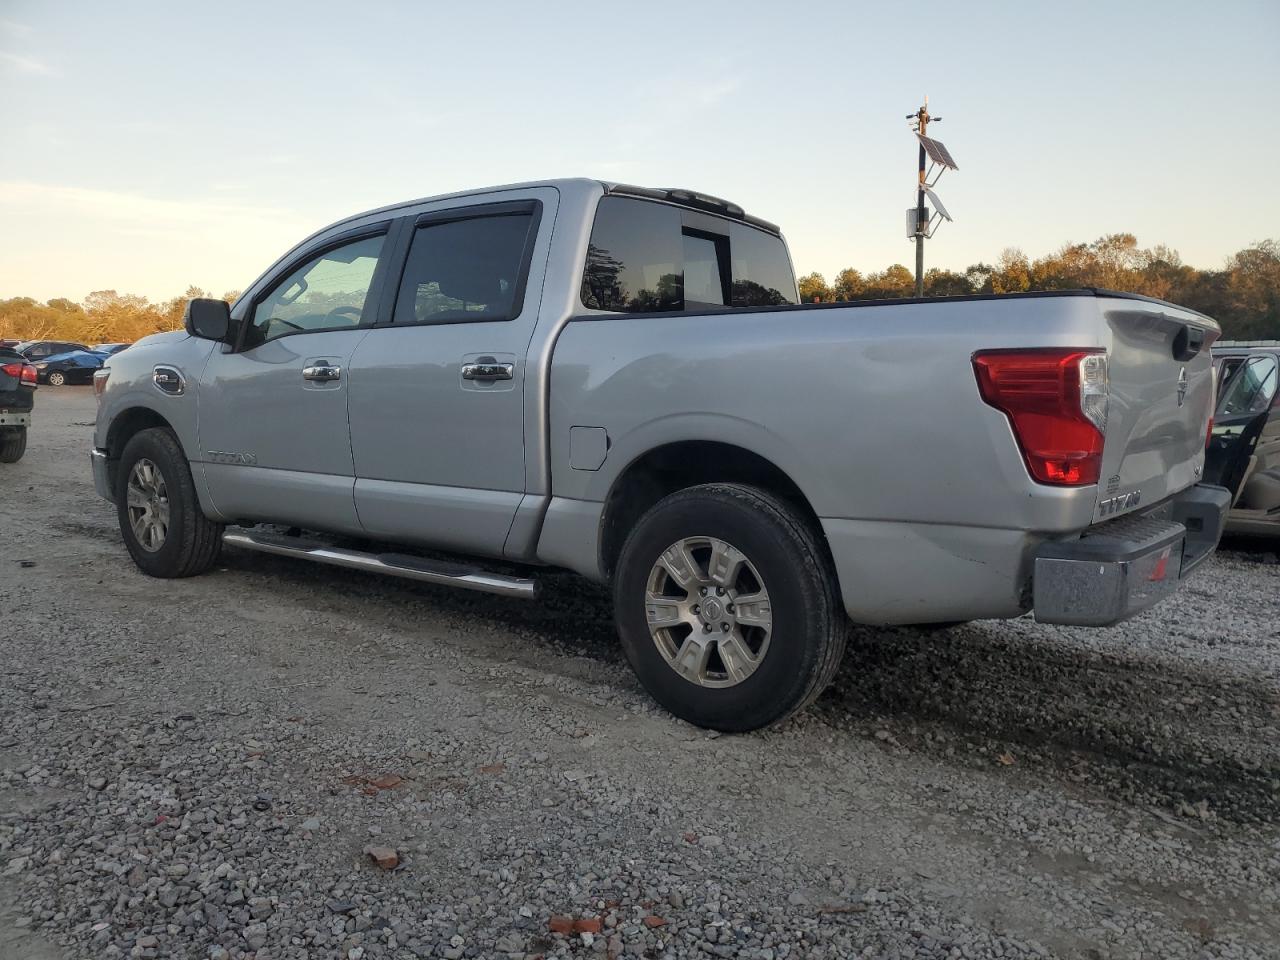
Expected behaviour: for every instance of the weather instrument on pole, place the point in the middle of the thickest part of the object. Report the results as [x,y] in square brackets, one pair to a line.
[934,160]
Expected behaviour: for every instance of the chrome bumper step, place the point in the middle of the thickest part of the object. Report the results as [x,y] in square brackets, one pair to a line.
[439,572]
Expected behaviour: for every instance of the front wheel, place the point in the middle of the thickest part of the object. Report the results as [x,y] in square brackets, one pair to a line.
[727,607]
[160,518]
[13,444]
[57,378]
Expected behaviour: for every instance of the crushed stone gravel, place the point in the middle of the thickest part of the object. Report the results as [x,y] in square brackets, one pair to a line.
[279,760]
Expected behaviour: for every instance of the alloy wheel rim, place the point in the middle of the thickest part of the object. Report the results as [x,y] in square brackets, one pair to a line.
[148,505]
[708,612]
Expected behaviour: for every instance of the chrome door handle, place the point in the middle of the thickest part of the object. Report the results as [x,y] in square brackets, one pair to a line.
[488,371]
[322,373]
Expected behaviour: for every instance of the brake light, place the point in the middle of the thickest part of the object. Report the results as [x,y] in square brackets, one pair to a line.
[1056,401]
[23,371]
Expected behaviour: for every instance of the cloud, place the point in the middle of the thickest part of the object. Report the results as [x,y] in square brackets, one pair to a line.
[15,29]
[65,240]
[16,63]
[135,210]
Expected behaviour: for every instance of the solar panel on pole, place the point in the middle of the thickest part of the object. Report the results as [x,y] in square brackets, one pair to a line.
[937,152]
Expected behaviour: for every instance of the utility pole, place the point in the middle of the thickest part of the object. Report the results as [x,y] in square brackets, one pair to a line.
[921,222]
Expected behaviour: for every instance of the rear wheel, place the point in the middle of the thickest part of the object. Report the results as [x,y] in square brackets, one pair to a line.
[160,518]
[57,378]
[727,607]
[13,444]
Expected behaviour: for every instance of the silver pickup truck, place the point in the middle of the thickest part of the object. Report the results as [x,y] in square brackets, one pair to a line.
[621,381]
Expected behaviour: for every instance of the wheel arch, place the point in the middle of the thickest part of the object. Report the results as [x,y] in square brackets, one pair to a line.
[665,469]
[124,427]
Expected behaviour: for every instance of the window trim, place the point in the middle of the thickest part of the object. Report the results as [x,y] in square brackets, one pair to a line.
[373,298]
[476,211]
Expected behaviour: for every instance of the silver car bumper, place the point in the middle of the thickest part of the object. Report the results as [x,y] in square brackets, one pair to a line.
[101,474]
[1124,566]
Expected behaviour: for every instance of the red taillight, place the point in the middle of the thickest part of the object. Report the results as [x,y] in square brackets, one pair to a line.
[23,371]
[1056,401]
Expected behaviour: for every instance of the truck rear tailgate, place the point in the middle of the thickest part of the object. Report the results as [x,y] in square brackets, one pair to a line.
[1161,397]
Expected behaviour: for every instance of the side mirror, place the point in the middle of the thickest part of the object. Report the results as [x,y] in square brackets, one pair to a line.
[207,318]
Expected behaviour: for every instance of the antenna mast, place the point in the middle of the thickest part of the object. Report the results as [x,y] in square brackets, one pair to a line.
[921,223]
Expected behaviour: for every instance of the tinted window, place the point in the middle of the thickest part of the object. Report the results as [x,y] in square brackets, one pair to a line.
[642,257]
[466,270]
[762,275]
[326,293]
[635,258]
[1252,389]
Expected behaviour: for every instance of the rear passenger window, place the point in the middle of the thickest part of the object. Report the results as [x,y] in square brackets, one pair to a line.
[644,257]
[467,270]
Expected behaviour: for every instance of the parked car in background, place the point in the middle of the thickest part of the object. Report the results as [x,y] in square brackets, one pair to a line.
[35,350]
[74,367]
[109,349]
[17,397]
[621,381]
[1244,450]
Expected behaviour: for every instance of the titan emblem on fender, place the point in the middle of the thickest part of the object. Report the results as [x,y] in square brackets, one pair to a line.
[1182,385]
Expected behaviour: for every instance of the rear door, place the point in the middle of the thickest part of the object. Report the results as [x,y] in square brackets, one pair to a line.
[1160,397]
[274,436]
[437,392]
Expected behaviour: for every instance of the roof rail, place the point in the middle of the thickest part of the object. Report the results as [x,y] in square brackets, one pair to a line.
[1247,343]
[693,200]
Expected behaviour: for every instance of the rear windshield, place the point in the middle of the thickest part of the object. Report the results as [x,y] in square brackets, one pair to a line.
[645,257]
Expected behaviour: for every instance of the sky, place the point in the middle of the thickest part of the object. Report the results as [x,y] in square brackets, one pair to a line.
[145,147]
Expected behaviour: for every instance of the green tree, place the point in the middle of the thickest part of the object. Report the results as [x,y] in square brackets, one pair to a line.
[813,287]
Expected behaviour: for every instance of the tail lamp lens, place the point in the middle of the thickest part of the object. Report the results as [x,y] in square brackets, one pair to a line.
[1056,401]
[23,371]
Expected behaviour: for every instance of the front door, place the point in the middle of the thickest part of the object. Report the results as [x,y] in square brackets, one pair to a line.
[437,394]
[274,436]
[1246,431]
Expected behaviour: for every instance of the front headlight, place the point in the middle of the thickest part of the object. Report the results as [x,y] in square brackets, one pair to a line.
[100,381]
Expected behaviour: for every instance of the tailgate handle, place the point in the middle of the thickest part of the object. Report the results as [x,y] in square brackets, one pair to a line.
[1187,343]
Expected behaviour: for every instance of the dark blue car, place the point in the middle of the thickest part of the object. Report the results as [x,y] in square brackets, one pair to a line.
[76,366]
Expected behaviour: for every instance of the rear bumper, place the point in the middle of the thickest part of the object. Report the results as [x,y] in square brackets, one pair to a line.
[1122,567]
[101,474]
[14,418]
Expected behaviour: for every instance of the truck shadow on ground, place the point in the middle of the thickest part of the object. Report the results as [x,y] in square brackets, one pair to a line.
[1149,730]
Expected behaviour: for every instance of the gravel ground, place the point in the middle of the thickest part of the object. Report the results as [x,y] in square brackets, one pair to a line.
[197,768]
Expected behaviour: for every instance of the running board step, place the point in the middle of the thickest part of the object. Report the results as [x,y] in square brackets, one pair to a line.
[392,564]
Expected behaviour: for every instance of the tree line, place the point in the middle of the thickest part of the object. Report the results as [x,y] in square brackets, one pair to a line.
[105,316]
[1244,296]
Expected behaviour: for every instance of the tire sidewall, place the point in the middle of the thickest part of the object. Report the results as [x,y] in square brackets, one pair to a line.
[778,684]
[149,445]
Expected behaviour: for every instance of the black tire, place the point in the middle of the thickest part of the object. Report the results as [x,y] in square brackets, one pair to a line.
[13,444]
[57,378]
[809,625]
[193,541]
